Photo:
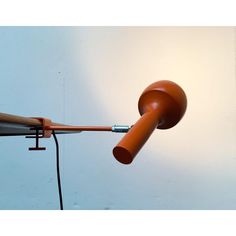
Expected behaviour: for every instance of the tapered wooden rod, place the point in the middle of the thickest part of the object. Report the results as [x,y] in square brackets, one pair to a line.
[78,128]
[114,128]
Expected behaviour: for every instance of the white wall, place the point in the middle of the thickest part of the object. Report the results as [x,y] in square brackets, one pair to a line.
[94,76]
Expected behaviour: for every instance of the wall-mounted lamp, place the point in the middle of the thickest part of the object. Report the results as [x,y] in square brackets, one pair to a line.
[161,105]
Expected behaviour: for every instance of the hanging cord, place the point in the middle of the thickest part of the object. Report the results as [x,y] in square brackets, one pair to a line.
[58,170]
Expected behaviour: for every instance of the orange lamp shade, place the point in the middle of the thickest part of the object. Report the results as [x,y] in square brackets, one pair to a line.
[161,105]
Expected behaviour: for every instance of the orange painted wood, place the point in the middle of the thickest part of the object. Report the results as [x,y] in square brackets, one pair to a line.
[79,128]
[11,125]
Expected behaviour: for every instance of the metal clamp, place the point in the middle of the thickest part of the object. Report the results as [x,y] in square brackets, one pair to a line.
[121,128]
[45,133]
[45,123]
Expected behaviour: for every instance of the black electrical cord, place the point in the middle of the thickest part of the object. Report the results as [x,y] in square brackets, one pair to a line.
[58,170]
